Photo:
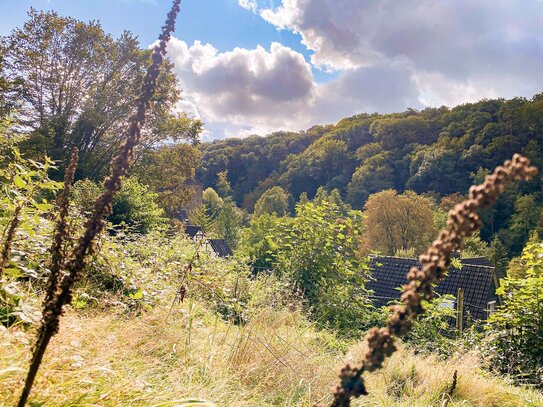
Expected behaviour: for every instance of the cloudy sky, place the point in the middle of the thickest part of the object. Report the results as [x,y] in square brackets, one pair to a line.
[255,66]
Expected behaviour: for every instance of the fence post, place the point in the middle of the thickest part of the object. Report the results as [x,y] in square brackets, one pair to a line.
[460,311]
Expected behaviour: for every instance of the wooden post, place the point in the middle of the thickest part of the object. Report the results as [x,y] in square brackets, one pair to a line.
[460,311]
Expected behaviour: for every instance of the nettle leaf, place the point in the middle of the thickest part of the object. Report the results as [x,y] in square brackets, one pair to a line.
[19,182]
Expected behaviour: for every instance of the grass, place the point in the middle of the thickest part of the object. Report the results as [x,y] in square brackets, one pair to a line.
[192,358]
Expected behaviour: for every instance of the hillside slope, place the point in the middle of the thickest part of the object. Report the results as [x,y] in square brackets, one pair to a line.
[276,360]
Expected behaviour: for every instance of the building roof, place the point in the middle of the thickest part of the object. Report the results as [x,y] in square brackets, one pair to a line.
[220,247]
[477,261]
[478,282]
[192,230]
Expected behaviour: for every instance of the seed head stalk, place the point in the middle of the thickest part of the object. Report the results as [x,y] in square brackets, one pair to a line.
[463,221]
[102,207]
[10,235]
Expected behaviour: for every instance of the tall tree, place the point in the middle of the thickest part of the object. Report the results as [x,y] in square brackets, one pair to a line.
[78,86]
[165,170]
[229,222]
[212,201]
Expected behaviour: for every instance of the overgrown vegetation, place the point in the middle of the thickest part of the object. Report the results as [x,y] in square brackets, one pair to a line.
[154,317]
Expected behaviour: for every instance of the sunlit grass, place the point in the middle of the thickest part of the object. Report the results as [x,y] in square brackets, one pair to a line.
[194,358]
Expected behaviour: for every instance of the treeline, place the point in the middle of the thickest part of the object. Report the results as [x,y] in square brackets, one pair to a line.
[438,152]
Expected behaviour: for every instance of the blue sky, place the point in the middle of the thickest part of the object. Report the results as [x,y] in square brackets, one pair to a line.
[256,66]
[222,23]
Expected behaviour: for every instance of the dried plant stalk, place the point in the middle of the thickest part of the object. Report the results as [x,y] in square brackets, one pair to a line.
[10,235]
[53,283]
[463,221]
[61,233]
[119,165]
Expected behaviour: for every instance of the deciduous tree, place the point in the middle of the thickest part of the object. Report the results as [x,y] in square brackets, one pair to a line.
[273,201]
[397,222]
[77,84]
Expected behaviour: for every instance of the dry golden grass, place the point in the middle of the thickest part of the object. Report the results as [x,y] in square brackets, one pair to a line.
[195,359]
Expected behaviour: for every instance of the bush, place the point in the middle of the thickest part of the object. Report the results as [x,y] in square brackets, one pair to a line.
[136,206]
[514,342]
[316,252]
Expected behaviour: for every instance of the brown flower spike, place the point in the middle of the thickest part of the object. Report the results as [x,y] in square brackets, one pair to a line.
[102,207]
[463,222]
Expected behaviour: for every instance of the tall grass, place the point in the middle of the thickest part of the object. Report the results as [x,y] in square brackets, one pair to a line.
[277,359]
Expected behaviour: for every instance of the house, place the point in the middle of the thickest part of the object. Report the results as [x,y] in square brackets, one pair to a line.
[478,280]
[218,247]
[195,232]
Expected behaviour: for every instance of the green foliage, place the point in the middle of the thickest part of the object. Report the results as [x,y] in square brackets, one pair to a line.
[84,194]
[223,185]
[397,222]
[434,150]
[273,201]
[83,92]
[229,222]
[432,330]
[256,242]
[515,330]
[315,250]
[374,175]
[396,131]
[212,201]
[135,206]
[474,246]
[166,169]
[200,217]
[524,220]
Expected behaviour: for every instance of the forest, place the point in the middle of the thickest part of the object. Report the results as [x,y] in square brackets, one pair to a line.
[437,152]
[106,298]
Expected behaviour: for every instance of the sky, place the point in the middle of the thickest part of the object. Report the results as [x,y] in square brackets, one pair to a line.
[258,66]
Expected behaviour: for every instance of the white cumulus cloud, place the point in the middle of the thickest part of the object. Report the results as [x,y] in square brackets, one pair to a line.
[388,55]
[248,91]
[458,50]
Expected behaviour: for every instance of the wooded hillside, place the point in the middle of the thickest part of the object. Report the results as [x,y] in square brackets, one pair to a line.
[437,151]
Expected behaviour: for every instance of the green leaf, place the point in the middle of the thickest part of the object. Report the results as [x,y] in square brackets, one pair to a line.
[19,182]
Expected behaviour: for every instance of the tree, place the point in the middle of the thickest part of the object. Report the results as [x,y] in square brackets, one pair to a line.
[524,220]
[229,222]
[396,132]
[200,217]
[273,201]
[256,241]
[165,170]
[316,251]
[395,222]
[374,175]
[212,201]
[333,197]
[437,170]
[134,205]
[77,88]
[498,256]
[223,185]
